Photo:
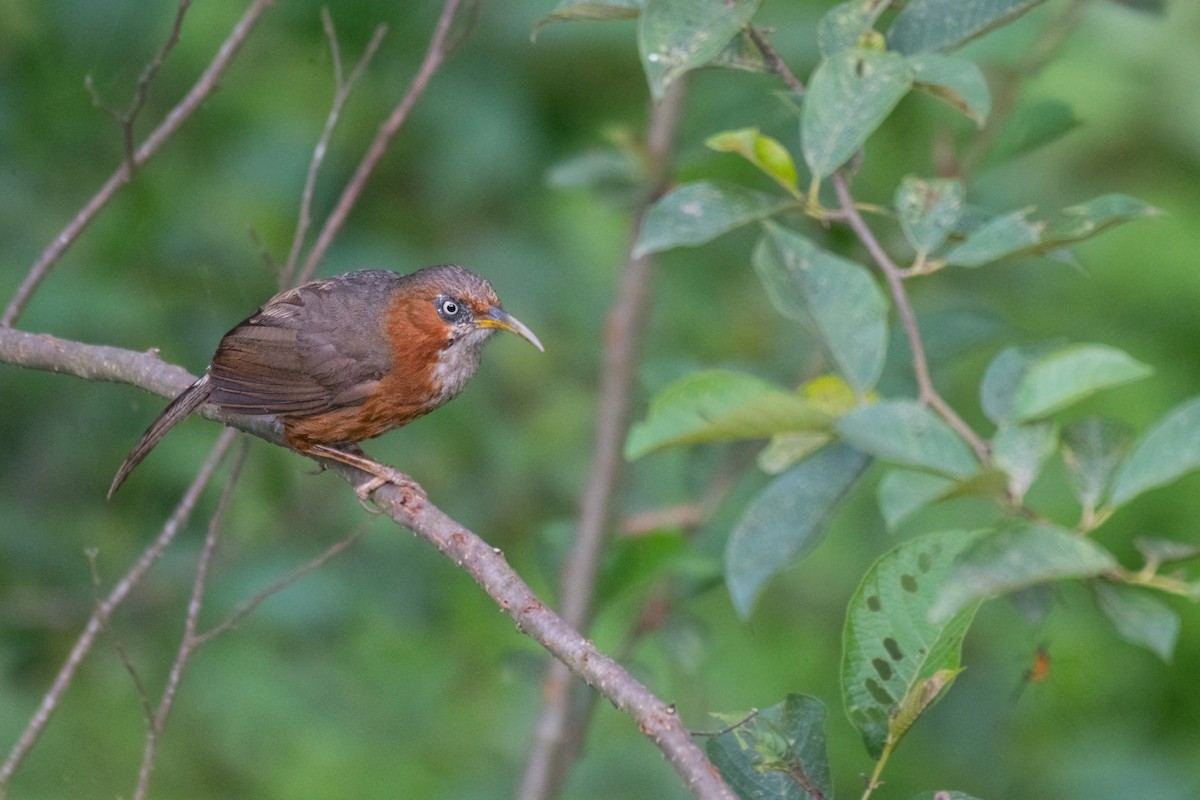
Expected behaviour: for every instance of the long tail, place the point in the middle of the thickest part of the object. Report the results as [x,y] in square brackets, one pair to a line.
[188,401]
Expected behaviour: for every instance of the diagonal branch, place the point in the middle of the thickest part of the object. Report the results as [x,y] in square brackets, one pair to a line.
[204,86]
[120,591]
[408,506]
[548,758]
[435,54]
[908,319]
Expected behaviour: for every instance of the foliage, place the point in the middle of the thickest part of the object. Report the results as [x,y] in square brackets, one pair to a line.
[871,526]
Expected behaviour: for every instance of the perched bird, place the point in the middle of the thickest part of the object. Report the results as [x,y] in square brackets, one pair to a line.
[344,359]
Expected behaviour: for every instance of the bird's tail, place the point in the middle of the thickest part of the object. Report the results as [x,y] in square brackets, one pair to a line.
[188,401]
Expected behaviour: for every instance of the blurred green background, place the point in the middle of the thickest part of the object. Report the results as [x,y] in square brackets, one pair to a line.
[388,672]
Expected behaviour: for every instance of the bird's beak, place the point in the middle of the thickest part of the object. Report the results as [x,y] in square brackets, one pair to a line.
[501,320]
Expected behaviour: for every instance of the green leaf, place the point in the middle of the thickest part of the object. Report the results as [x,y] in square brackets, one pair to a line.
[926,26]
[696,213]
[997,392]
[1163,551]
[944,795]
[907,433]
[1057,379]
[1002,236]
[762,151]
[787,520]
[843,25]
[850,95]
[1139,618]
[1021,450]
[1079,222]
[675,36]
[1029,128]
[1169,450]
[838,298]
[719,405]
[1158,7]
[894,655]
[902,492]
[1021,555]
[832,395]
[589,10]
[929,210]
[777,752]
[956,81]
[1091,450]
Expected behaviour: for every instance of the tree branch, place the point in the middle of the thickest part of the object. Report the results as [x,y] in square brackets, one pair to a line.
[204,86]
[908,319]
[121,590]
[548,759]
[435,54]
[407,505]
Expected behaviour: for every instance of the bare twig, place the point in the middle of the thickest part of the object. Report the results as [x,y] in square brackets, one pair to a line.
[120,591]
[407,504]
[188,642]
[434,56]
[928,393]
[203,87]
[775,62]
[142,91]
[299,572]
[343,87]
[546,764]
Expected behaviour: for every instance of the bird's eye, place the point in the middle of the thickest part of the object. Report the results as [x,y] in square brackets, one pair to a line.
[449,309]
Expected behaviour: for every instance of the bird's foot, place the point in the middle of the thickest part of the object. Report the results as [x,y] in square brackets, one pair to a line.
[355,457]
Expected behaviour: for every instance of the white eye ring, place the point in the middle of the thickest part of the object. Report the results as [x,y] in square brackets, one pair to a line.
[449,308]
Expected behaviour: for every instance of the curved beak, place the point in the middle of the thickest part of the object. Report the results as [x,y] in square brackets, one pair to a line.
[501,320]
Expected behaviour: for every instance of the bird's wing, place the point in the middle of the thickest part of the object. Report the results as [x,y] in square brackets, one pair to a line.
[309,350]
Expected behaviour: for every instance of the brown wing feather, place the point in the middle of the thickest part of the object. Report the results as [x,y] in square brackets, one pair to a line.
[307,351]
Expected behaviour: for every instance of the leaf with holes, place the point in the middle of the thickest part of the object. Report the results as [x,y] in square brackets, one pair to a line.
[929,210]
[955,81]
[780,752]
[850,95]
[927,26]
[1169,450]
[1139,618]
[893,655]
[838,298]
[696,213]
[907,433]
[721,406]
[1015,557]
[787,520]
[675,36]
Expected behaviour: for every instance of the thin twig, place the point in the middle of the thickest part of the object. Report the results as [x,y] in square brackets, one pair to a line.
[258,599]
[203,87]
[547,762]
[187,643]
[142,90]
[407,505]
[928,393]
[343,87]
[775,62]
[434,56]
[104,610]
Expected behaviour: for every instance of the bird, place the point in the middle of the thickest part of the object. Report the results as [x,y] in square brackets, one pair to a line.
[336,361]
